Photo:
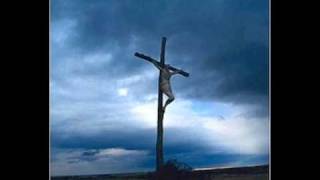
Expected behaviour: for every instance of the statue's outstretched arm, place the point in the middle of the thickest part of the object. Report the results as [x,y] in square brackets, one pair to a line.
[153,61]
[175,72]
[157,65]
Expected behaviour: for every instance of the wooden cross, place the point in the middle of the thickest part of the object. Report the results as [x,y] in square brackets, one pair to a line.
[159,146]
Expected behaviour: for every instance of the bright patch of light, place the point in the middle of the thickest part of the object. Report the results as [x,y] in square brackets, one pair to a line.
[123,92]
[120,152]
[232,132]
[146,113]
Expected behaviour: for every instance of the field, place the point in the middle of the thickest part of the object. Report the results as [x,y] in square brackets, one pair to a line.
[239,173]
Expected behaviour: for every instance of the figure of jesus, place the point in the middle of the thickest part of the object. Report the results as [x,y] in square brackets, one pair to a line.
[165,85]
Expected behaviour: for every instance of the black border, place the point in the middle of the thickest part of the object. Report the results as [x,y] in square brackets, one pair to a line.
[27,99]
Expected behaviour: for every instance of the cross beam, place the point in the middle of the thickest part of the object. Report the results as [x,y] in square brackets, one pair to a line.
[183,73]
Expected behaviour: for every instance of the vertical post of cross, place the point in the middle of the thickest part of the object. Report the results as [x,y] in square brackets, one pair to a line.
[159,147]
[159,144]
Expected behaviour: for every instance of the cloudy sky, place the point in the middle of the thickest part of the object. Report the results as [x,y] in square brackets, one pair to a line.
[104,99]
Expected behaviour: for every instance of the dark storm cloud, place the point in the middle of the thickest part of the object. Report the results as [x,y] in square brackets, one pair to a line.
[223,44]
[109,139]
[239,76]
[178,141]
[90,153]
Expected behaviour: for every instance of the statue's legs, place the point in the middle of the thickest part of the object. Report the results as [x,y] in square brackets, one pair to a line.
[169,100]
[166,89]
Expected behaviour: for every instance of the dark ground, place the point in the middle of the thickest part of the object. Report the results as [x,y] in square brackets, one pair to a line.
[239,173]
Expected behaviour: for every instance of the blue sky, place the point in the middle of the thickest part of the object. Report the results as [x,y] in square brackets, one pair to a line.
[104,100]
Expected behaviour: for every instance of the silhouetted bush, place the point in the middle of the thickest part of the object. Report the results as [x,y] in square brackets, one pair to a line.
[172,170]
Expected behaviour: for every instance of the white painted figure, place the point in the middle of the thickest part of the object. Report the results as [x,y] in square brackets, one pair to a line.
[165,85]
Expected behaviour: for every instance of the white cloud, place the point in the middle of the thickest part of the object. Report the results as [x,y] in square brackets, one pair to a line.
[238,135]
[62,30]
[235,132]
[97,58]
[122,91]
[145,114]
[120,152]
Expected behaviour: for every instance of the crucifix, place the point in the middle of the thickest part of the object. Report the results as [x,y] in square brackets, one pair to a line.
[166,71]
